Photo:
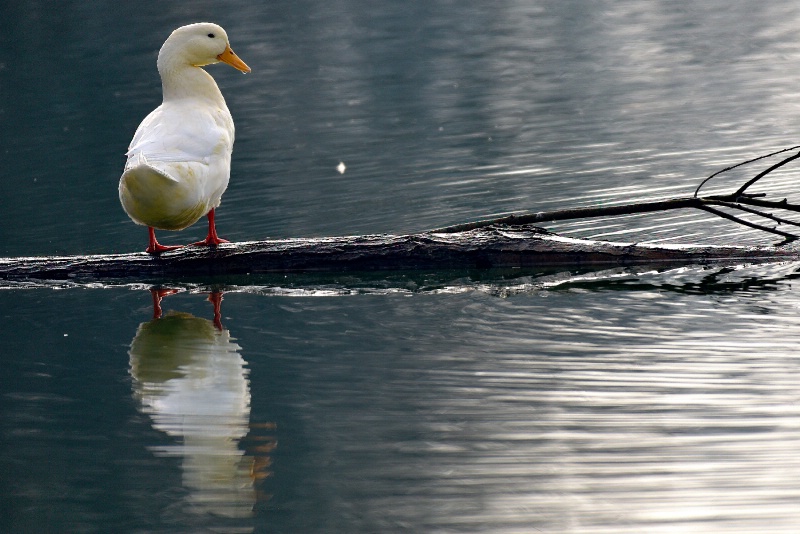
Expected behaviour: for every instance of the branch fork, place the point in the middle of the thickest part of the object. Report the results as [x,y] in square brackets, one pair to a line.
[739,200]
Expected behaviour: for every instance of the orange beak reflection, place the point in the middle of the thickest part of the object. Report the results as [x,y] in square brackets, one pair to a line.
[233,60]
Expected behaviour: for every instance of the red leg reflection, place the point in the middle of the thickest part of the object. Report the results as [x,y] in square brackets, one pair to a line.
[157,295]
[215,298]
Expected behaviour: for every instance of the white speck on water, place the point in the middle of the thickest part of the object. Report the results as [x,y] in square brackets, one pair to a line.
[341,167]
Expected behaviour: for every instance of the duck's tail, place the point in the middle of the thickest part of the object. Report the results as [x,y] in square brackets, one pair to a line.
[151,197]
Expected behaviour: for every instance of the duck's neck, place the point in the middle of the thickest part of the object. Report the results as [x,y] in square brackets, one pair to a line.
[180,81]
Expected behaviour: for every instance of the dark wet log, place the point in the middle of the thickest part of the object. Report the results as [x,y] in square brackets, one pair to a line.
[510,242]
[504,247]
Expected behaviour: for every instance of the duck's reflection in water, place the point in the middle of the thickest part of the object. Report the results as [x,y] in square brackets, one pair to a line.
[192,381]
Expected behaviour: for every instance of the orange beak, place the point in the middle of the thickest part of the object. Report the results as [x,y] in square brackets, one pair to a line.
[233,60]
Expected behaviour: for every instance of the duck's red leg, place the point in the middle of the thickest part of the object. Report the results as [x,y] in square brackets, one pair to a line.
[212,239]
[155,247]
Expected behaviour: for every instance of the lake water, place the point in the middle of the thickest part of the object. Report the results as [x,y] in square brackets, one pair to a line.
[606,402]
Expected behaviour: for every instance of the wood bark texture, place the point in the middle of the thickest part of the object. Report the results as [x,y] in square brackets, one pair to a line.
[497,246]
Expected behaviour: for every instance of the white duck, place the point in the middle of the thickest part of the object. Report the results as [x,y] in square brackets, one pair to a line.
[179,160]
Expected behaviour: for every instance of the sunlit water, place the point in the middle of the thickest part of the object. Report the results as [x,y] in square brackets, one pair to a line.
[615,401]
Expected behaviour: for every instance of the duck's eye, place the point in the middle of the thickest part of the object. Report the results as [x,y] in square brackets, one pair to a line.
[211,35]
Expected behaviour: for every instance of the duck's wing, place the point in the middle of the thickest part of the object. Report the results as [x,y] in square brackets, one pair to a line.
[182,133]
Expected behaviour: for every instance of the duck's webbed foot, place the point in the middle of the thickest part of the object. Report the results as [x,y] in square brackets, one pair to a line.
[212,239]
[154,247]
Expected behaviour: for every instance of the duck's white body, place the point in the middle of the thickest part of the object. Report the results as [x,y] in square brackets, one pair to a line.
[179,160]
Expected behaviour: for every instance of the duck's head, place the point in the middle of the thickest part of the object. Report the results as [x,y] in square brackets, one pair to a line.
[197,45]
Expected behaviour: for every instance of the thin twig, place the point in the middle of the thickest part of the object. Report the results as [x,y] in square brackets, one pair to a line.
[726,169]
[740,192]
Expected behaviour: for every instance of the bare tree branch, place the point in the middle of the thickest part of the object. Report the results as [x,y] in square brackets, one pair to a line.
[733,200]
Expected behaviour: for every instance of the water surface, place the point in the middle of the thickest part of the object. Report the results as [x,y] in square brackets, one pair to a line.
[614,401]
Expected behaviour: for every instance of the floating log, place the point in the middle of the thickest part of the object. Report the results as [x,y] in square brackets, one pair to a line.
[488,247]
[510,242]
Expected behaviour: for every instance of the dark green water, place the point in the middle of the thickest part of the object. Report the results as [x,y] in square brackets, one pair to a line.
[435,402]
